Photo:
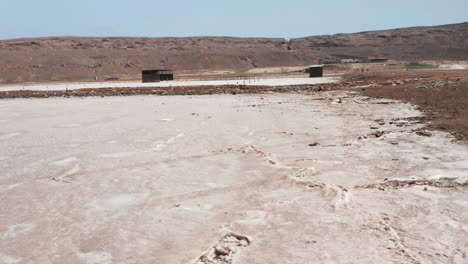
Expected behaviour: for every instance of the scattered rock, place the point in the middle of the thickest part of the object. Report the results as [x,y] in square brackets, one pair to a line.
[224,250]
[397,184]
[378,134]
[423,133]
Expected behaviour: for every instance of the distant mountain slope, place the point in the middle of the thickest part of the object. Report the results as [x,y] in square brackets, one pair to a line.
[448,42]
[82,58]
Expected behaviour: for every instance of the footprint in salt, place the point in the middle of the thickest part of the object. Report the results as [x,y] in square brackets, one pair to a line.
[96,257]
[10,135]
[72,171]
[69,125]
[64,162]
[117,155]
[14,231]
[10,259]
[114,202]
[10,186]
[162,145]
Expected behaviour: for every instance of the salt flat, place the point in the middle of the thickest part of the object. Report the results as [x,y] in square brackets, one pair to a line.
[96,85]
[328,177]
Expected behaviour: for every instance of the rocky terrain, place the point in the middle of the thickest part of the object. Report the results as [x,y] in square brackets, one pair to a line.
[441,95]
[82,58]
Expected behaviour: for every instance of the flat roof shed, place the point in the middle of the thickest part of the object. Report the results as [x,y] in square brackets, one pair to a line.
[315,71]
[157,75]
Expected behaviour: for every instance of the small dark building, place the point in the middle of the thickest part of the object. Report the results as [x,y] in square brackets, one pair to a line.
[157,75]
[315,71]
[377,59]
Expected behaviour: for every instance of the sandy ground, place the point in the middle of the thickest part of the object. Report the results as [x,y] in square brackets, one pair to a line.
[95,85]
[328,177]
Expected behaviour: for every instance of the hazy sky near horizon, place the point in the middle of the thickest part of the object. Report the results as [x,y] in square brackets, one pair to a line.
[240,18]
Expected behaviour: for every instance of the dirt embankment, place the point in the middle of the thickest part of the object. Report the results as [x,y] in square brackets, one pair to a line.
[179,90]
[441,95]
[81,59]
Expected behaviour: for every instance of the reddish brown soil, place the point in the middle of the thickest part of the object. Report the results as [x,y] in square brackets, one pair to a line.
[441,95]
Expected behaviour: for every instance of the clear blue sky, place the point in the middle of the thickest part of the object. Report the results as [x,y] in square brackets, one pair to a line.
[240,18]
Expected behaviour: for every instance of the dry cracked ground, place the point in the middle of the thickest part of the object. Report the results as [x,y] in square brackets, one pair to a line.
[330,177]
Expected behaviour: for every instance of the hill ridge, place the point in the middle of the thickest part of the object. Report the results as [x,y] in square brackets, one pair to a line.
[84,58]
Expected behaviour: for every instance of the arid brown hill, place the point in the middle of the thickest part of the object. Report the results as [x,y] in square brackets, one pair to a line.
[448,42]
[80,58]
